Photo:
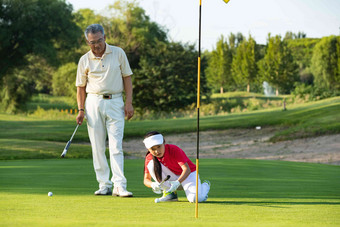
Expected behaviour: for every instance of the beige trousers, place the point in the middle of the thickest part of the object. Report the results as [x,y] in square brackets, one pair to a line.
[105,118]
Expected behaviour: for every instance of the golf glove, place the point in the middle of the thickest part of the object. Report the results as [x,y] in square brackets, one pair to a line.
[174,186]
[156,187]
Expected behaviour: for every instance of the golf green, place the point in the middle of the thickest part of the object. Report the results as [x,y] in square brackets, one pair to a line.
[243,193]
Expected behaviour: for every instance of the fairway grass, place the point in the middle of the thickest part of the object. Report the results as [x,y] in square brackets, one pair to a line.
[243,193]
[24,137]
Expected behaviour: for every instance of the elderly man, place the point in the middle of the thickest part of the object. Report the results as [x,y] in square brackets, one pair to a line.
[103,74]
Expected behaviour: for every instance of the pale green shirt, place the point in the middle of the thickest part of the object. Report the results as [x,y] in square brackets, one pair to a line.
[103,75]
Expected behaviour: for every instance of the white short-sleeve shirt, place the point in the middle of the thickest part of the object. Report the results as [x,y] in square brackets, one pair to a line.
[103,75]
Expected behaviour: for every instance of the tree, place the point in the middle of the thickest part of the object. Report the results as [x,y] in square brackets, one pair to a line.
[244,63]
[86,17]
[291,35]
[42,28]
[219,66]
[64,80]
[16,89]
[83,18]
[167,78]
[278,67]
[302,51]
[24,81]
[326,63]
[235,40]
[131,29]
[39,72]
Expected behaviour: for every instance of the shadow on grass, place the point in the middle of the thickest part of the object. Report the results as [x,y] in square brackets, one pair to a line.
[271,203]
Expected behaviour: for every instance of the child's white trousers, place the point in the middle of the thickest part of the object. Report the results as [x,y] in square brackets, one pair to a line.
[189,184]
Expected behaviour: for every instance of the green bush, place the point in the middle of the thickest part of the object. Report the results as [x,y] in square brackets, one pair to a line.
[52,114]
[217,105]
[307,93]
[252,104]
[47,102]
[64,80]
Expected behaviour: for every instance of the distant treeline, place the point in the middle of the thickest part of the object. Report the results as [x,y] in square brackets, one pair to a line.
[41,42]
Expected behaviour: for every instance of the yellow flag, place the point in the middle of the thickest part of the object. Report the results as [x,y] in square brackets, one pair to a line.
[226,1]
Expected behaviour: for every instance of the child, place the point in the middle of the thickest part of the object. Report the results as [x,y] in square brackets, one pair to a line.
[162,160]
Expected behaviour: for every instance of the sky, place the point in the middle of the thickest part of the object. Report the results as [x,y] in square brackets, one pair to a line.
[316,18]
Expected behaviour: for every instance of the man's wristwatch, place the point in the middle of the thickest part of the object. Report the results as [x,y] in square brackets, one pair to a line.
[81,110]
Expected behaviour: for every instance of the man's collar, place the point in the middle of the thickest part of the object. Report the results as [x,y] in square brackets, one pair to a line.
[107,51]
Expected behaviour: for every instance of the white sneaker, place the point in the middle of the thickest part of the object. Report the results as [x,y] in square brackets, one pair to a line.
[104,191]
[167,197]
[208,184]
[122,192]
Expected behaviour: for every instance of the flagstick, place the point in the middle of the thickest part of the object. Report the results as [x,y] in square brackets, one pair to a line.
[198,104]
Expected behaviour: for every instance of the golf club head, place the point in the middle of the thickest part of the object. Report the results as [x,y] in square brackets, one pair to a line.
[69,143]
[65,149]
[63,154]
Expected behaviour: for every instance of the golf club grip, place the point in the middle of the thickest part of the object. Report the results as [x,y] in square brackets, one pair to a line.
[165,179]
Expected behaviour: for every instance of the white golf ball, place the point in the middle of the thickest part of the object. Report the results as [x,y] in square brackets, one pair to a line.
[50,194]
[157,200]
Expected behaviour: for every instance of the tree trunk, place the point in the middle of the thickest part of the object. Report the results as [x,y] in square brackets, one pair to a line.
[277,92]
[248,88]
[221,90]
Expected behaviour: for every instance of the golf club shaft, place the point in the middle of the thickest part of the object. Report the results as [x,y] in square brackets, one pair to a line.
[69,142]
[75,130]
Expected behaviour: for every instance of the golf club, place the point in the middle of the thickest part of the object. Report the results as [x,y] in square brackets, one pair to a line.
[68,143]
[165,179]
[161,184]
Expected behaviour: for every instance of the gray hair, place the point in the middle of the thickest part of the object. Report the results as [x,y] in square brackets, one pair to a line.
[94,28]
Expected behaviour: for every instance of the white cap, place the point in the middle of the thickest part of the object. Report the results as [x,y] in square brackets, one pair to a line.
[153,140]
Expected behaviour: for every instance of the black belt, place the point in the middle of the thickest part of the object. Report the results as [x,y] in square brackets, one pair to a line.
[111,96]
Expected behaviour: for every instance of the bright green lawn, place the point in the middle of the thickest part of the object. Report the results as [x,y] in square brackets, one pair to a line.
[243,193]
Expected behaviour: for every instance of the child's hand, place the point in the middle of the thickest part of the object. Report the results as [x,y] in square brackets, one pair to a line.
[174,186]
[156,187]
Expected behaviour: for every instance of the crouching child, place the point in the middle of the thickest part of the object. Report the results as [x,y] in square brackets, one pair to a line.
[164,160]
